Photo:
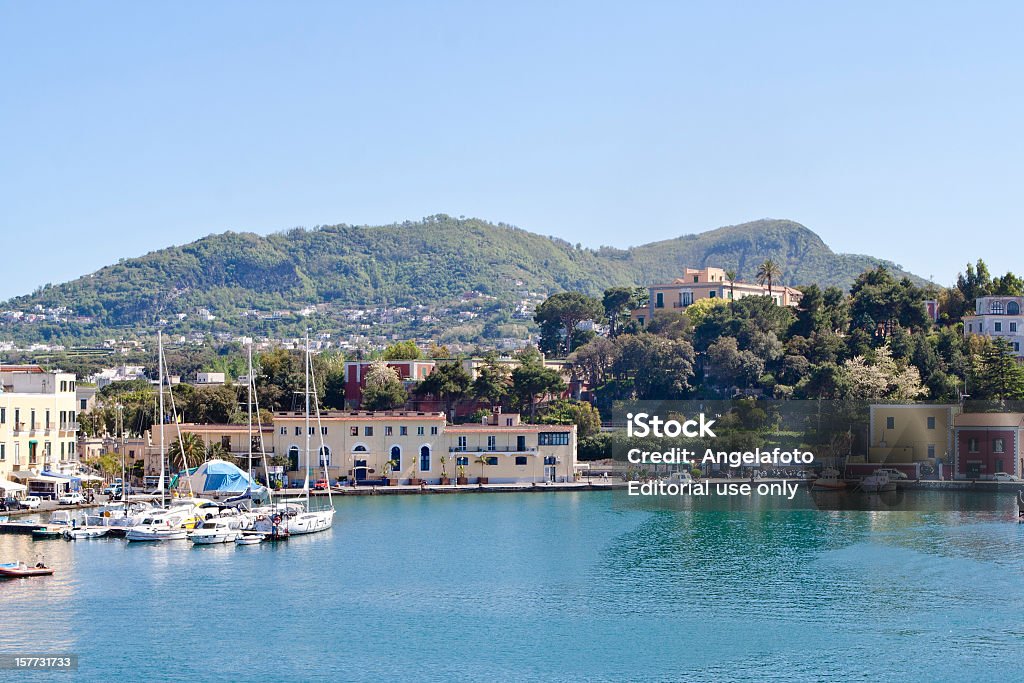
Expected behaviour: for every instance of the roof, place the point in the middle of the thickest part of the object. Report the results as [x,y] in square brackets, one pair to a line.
[472,428]
[989,420]
[364,415]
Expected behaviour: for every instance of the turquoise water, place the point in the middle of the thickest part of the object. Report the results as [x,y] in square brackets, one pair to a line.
[547,587]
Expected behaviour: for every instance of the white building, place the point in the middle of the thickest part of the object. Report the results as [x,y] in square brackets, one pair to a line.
[998,317]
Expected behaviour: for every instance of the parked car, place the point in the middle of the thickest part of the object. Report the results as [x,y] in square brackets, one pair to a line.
[1005,476]
[321,485]
[31,502]
[73,498]
[10,503]
[893,473]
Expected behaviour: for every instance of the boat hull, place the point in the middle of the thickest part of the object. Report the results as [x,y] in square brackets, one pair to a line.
[87,532]
[156,535]
[212,539]
[310,522]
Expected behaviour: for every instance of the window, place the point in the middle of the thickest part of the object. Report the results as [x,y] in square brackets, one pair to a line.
[711,294]
[1013,327]
[3,452]
[325,456]
[553,439]
[890,423]
[17,453]
[931,451]
[433,431]
[521,443]
[388,431]
[998,327]
[520,460]
[999,465]
[998,446]
[298,431]
[419,431]
[353,431]
[996,307]
[1013,308]
[659,300]
[492,443]
[293,458]
[695,278]
[972,445]
[225,441]
[461,443]
[3,416]
[323,431]
[931,423]
[550,460]
[284,431]
[396,459]
[424,458]
[461,461]
[508,421]
[367,431]
[403,431]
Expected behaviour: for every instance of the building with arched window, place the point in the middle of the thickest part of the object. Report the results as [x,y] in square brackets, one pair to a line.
[998,317]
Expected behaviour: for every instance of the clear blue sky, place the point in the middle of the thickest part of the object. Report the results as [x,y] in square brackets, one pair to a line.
[889,128]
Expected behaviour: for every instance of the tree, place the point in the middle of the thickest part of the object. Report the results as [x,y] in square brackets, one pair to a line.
[567,309]
[383,389]
[881,377]
[447,382]
[998,375]
[403,350]
[570,412]
[531,381]
[768,272]
[493,381]
[730,275]
[618,303]
[188,451]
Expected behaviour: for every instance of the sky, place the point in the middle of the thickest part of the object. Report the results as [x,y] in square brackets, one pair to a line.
[890,129]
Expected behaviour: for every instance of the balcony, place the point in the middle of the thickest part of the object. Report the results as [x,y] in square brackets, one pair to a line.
[496,449]
[69,426]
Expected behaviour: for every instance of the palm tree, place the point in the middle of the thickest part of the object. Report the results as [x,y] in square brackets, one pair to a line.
[731,275]
[767,272]
[482,460]
[189,449]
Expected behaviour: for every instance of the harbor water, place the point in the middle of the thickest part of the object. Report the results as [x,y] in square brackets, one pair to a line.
[548,587]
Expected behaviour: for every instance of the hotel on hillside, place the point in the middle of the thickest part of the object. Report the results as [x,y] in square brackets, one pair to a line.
[998,317]
[708,283]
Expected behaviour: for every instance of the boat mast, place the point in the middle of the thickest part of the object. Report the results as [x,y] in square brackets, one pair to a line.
[306,484]
[124,479]
[249,407]
[160,362]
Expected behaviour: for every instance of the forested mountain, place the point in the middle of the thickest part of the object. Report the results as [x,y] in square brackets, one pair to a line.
[427,262]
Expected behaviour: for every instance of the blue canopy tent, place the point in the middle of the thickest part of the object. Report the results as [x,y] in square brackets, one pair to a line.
[221,477]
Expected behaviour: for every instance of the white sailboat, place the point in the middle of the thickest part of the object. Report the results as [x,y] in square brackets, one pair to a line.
[311,521]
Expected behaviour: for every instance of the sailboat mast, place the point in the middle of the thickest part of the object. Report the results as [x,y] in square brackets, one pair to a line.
[306,485]
[249,406]
[160,372]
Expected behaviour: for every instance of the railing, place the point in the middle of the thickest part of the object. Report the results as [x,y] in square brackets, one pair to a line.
[69,426]
[496,449]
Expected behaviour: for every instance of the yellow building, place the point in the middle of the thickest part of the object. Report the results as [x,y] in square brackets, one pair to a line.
[909,433]
[423,446]
[233,439]
[38,425]
[708,283]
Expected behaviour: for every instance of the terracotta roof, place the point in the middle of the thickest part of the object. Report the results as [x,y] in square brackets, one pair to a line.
[360,415]
[989,420]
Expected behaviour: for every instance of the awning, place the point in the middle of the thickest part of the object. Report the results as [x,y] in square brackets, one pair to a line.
[89,477]
[11,486]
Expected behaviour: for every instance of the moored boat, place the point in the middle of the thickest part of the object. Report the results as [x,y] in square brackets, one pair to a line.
[215,530]
[877,482]
[17,570]
[86,532]
[829,481]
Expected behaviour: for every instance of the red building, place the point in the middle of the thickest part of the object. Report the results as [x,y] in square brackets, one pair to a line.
[988,443]
[409,371]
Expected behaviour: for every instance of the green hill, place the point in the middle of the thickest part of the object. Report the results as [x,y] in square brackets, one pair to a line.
[428,262]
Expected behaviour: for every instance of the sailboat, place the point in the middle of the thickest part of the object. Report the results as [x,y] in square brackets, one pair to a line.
[311,521]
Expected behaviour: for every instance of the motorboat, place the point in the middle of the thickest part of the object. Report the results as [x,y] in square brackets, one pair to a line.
[83,532]
[46,533]
[829,481]
[163,525]
[681,477]
[17,570]
[216,530]
[877,482]
[249,539]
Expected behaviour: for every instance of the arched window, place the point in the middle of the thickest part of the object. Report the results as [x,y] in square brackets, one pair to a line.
[396,458]
[293,458]
[996,307]
[325,456]
[359,449]
[425,458]
[1013,308]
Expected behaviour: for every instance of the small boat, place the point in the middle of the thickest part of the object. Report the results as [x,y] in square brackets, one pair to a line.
[829,481]
[16,570]
[215,530]
[877,483]
[46,534]
[86,532]
[249,539]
